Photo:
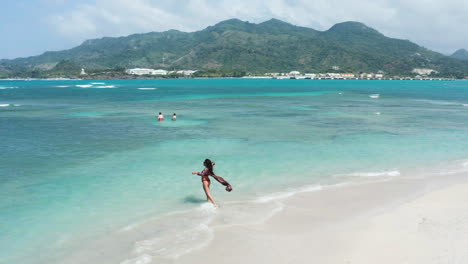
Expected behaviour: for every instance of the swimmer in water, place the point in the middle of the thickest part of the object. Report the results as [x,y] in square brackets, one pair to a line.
[160,117]
[174,117]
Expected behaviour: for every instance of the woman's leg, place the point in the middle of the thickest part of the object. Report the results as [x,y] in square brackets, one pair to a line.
[206,188]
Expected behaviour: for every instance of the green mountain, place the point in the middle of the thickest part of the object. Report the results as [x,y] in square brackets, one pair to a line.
[461,54]
[235,45]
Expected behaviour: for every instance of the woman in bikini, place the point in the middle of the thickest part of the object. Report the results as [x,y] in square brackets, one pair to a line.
[205,174]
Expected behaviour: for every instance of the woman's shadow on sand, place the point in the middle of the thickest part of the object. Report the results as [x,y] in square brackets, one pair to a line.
[194,200]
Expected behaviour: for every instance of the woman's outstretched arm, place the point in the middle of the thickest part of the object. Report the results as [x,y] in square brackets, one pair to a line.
[200,173]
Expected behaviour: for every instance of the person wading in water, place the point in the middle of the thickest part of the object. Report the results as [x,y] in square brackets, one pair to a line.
[205,174]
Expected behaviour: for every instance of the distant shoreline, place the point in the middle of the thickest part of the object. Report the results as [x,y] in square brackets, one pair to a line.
[246,77]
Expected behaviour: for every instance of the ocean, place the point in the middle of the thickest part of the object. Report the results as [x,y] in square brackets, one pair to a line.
[88,175]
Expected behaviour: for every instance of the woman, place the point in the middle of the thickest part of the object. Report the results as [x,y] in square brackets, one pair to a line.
[160,117]
[174,117]
[208,171]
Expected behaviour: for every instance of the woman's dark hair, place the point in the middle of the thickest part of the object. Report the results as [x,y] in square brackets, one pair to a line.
[209,165]
[159,112]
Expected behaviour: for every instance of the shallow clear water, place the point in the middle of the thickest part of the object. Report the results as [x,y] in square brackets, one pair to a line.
[81,161]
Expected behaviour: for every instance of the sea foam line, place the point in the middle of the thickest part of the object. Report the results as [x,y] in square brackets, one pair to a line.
[440,102]
[142,259]
[8,87]
[287,194]
[146,88]
[455,167]
[7,105]
[178,241]
[392,173]
[105,86]
[465,164]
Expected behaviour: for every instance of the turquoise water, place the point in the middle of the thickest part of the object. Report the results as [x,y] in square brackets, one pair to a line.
[80,162]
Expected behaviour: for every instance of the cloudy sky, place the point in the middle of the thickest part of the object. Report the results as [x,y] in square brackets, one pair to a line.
[30,27]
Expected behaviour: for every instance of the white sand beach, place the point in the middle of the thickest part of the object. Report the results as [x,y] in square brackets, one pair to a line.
[410,220]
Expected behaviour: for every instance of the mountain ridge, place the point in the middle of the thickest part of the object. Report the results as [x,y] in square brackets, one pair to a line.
[461,54]
[233,44]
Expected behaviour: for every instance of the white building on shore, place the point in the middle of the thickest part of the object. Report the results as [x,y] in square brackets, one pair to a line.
[348,75]
[333,75]
[143,71]
[294,74]
[186,72]
[424,71]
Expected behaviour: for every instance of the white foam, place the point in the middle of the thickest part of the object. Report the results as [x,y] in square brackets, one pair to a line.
[287,194]
[173,245]
[374,96]
[439,102]
[392,173]
[105,86]
[460,168]
[8,105]
[143,259]
[98,83]
[172,236]
[84,85]
[465,104]
[62,86]
[377,113]
[7,87]
[465,164]
[207,208]
[146,88]
[274,196]
[130,227]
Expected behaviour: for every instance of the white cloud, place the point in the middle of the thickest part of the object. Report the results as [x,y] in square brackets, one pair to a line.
[425,22]
[113,18]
